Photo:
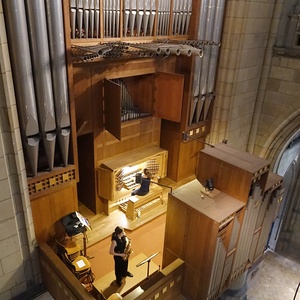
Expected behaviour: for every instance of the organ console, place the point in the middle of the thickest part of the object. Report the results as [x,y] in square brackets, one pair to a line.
[117,179]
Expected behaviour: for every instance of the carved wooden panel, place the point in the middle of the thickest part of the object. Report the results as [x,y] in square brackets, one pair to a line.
[168,96]
[112,108]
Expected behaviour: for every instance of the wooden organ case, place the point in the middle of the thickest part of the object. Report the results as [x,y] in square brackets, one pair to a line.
[221,233]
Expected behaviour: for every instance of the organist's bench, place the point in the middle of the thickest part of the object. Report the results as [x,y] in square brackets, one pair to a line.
[140,204]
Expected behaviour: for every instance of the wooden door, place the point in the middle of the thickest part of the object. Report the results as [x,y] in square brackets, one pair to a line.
[112,108]
[168,96]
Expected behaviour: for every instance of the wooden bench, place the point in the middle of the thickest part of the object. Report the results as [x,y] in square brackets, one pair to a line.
[137,205]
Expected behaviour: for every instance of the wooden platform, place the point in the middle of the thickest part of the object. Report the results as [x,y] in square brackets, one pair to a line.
[103,225]
[107,285]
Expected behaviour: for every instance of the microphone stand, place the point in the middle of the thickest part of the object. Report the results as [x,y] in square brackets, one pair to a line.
[162,185]
[147,260]
[185,136]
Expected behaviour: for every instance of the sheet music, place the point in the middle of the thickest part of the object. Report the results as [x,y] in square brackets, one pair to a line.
[83,220]
[80,263]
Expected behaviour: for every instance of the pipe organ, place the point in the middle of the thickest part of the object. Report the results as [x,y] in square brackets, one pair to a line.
[221,233]
[209,29]
[17,34]
[59,76]
[37,49]
[159,49]
[38,33]
[93,19]
[129,111]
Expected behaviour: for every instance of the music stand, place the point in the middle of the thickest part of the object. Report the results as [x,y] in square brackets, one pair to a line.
[74,224]
[147,260]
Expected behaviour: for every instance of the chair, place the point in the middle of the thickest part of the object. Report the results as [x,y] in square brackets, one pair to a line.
[69,247]
[76,263]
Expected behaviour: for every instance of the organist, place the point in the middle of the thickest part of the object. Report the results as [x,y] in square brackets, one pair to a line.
[144,179]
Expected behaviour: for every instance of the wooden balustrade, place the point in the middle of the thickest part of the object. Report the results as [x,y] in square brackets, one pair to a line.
[62,284]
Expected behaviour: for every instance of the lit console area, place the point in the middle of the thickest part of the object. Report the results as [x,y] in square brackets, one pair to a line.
[117,179]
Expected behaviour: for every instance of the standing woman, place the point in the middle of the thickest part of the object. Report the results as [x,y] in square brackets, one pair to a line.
[119,243]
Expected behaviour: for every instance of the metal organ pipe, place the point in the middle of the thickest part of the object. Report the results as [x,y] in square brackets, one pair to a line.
[59,75]
[86,17]
[220,9]
[118,19]
[73,22]
[146,18]
[247,231]
[97,19]
[184,16]
[43,82]
[207,48]
[196,104]
[139,19]
[126,16]
[113,18]
[23,79]
[218,264]
[92,18]
[132,16]
[80,18]
[139,16]
[152,16]
[110,20]
[189,13]
[163,17]
[209,29]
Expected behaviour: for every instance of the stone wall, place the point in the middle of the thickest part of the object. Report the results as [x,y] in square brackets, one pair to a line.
[243,69]
[257,103]
[18,258]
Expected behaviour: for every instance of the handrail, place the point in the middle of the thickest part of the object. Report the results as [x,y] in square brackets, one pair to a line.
[172,275]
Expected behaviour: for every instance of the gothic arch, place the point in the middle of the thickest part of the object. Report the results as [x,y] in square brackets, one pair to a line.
[273,144]
[276,143]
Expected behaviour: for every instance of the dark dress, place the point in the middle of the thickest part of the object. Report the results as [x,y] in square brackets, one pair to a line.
[121,265]
[144,188]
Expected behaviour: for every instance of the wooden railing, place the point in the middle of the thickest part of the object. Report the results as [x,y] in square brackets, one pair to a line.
[166,284]
[58,279]
[62,284]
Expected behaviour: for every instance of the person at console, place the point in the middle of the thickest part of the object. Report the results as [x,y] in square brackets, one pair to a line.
[145,184]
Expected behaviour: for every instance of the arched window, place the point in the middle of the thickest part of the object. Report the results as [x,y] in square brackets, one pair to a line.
[288,38]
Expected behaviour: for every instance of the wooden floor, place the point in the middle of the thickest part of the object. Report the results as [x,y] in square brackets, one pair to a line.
[103,225]
[146,234]
[146,241]
[106,283]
